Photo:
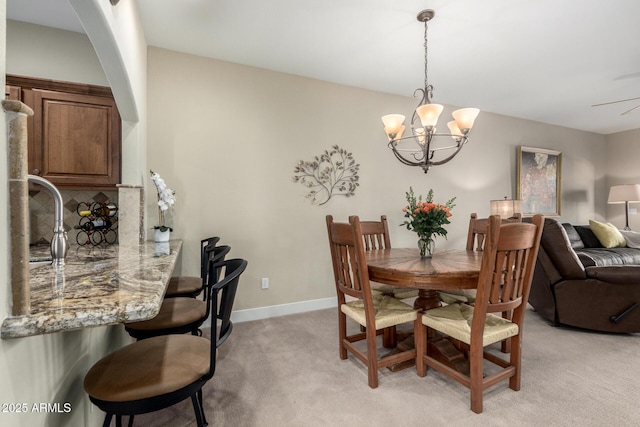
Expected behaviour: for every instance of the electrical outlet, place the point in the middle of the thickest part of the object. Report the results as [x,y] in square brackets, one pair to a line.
[633,211]
[265,283]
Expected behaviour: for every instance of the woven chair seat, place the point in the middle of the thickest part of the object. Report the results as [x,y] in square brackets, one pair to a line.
[457,295]
[182,285]
[455,321]
[389,311]
[394,291]
[149,368]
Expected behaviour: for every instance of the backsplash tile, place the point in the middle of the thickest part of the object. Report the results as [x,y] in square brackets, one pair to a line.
[41,209]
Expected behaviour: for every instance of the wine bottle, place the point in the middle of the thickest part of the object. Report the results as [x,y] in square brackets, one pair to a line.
[100,209]
[98,224]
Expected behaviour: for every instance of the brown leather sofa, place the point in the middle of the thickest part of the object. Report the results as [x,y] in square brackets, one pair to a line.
[579,283]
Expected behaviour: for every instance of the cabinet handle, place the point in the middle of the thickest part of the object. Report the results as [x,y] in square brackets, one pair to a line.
[36,171]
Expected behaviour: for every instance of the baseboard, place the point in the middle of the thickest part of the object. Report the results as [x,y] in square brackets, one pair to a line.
[282,309]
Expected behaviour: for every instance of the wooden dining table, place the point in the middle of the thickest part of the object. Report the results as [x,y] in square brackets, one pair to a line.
[447,269]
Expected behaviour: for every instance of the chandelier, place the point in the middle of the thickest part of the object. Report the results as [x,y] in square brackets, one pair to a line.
[421,148]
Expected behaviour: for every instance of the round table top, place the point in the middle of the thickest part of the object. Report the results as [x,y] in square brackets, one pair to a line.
[447,269]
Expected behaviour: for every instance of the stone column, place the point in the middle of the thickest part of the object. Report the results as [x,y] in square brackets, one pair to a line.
[130,215]
[17,114]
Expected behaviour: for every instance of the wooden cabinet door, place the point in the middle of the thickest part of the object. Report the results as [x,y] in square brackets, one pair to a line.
[76,139]
[12,92]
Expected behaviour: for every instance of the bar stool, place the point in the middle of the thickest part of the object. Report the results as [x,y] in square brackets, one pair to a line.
[153,374]
[181,315]
[191,286]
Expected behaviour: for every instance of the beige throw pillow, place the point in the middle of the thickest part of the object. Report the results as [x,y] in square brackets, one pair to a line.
[608,235]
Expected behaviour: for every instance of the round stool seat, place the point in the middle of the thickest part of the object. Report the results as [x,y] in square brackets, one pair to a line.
[183,286]
[149,368]
[176,315]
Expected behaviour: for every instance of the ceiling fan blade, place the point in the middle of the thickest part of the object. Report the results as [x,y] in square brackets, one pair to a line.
[615,102]
[628,111]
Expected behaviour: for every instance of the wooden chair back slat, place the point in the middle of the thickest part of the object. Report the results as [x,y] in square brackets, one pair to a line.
[347,253]
[507,267]
[375,234]
[478,230]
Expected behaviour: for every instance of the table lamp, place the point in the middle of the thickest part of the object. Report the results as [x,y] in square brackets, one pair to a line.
[626,193]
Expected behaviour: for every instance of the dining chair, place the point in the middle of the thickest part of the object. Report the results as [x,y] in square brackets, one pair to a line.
[159,372]
[375,235]
[180,315]
[192,286]
[374,312]
[478,230]
[508,262]
[475,242]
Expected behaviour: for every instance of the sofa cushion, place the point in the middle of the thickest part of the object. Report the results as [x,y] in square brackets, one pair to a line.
[613,256]
[607,234]
[588,238]
[556,244]
[574,237]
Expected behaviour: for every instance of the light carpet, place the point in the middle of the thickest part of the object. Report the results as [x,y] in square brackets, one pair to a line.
[286,371]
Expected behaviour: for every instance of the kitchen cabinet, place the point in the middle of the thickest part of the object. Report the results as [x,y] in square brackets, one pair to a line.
[74,134]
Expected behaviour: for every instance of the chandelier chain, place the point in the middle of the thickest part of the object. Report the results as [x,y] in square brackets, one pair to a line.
[427,88]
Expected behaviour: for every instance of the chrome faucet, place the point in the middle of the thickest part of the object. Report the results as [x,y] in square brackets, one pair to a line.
[60,241]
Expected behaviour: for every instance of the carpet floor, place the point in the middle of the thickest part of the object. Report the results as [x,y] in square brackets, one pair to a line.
[285,371]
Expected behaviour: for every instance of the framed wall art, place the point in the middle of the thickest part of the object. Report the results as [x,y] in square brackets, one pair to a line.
[538,180]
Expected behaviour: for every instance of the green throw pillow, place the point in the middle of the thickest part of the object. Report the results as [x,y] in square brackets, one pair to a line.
[608,234]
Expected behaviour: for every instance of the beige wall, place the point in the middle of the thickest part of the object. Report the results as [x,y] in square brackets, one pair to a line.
[623,167]
[52,54]
[226,137]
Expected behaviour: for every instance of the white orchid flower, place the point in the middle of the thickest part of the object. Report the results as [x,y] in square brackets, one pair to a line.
[166,196]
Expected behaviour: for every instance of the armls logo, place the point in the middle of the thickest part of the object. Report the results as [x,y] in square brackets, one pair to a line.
[60,408]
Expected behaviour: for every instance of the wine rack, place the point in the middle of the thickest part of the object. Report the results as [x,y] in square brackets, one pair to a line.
[98,223]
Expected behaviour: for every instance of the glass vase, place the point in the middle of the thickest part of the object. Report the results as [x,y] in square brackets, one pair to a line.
[426,245]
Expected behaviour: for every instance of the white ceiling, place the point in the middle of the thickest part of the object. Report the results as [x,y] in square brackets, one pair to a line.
[543,60]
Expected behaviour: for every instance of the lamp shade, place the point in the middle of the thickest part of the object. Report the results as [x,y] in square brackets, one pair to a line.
[429,114]
[624,193]
[393,125]
[465,117]
[506,208]
[455,131]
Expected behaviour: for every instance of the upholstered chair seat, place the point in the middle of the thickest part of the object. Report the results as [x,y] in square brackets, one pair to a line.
[175,313]
[192,286]
[148,368]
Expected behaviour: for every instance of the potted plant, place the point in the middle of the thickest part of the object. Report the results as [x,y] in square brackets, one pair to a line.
[166,199]
[427,219]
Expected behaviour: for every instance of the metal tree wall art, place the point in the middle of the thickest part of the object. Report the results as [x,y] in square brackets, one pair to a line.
[332,173]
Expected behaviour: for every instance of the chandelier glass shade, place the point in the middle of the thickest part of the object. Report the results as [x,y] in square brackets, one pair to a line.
[421,148]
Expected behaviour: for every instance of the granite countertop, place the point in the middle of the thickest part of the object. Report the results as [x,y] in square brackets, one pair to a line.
[97,286]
